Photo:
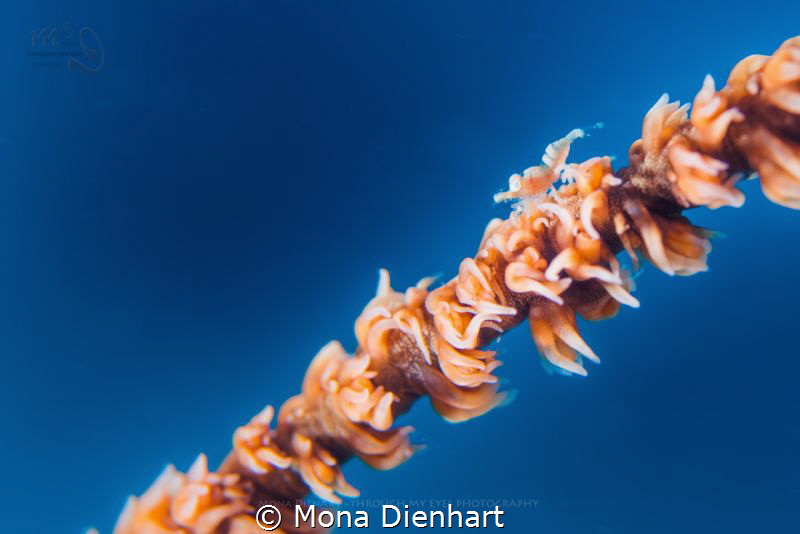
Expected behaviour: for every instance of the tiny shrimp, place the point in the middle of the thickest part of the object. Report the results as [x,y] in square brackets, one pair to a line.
[538,179]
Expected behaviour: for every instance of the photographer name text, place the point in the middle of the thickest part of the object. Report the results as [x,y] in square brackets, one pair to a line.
[395,517]
[390,516]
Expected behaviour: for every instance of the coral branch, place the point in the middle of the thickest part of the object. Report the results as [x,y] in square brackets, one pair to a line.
[552,260]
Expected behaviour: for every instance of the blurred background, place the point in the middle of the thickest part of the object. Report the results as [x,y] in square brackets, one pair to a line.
[196,196]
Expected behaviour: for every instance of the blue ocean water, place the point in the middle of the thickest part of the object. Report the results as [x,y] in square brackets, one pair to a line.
[196,196]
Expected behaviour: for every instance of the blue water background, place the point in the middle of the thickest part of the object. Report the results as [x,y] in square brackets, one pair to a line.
[182,230]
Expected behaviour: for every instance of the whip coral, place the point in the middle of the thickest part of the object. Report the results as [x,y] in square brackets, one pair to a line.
[553,260]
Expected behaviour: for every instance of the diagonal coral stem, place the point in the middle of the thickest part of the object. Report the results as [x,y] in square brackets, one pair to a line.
[553,259]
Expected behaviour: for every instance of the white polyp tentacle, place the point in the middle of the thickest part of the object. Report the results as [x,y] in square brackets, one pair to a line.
[590,203]
[520,278]
[490,229]
[650,235]
[469,339]
[517,237]
[376,333]
[540,222]
[411,325]
[565,259]
[565,330]
[564,217]
[620,294]
[472,268]
[585,272]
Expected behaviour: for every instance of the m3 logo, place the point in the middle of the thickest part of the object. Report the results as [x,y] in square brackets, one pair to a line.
[80,48]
